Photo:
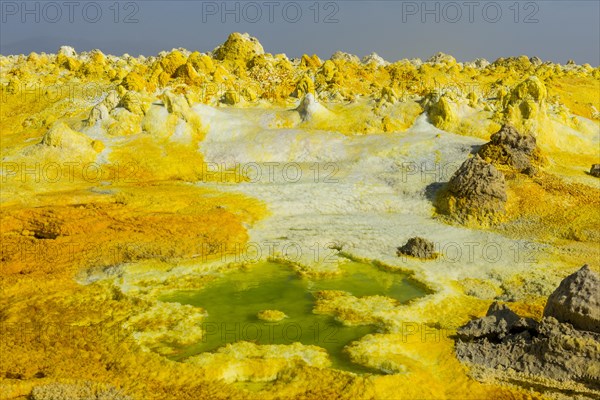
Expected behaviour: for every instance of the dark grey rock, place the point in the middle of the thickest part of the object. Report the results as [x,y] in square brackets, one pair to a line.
[577,300]
[563,348]
[509,147]
[499,322]
[554,350]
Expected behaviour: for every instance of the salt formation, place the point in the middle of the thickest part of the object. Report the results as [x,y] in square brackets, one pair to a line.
[67,51]
[88,390]
[159,327]
[376,59]
[102,110]
[304,87]
[308,107]
[346,57]
[442,112]
[132,102]
[61,136]
[526,102]
[238,47]
[257,363]
[271,315]
[441,58]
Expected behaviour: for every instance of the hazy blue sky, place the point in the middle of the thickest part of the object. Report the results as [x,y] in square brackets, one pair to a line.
[552,30]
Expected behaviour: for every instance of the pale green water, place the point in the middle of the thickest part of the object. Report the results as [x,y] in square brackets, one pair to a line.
[234,300]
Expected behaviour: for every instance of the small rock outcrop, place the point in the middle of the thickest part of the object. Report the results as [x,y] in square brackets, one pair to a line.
[551,350]
[231,98]
[595,170]
[499,322]
[577,301]
[476,179]
[513,149]
[477,191]
[419,248]
[536,61]
[562,350]
[526,101]
[530,89]
[67,51]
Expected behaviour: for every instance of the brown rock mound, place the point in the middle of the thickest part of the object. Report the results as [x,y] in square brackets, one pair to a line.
[511,148]
[419,248]
[477,191]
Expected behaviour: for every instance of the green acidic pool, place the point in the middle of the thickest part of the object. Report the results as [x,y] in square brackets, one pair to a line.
[234,300]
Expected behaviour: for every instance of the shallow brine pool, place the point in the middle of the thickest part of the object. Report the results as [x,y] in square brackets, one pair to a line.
[234,300]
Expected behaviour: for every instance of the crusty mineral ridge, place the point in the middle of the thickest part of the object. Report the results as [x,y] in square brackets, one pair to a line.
[482,94]
[577,301]
[562,349]
[497,324]
[419,248]
[511,148]
[87,390]
[63,137]
[477,191]
[246,361]
[516,349]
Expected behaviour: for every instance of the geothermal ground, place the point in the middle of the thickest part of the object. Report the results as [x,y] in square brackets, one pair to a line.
[236,224]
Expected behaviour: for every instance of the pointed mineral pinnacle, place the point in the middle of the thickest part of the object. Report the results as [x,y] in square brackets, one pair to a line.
[577,301]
